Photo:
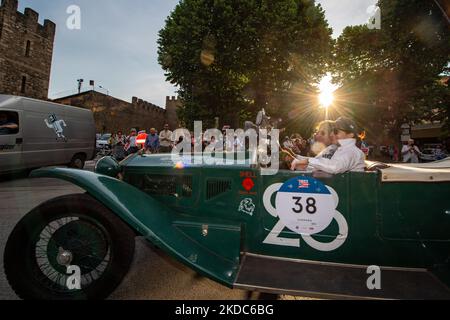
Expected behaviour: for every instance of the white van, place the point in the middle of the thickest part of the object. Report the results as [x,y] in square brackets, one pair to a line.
[35,133]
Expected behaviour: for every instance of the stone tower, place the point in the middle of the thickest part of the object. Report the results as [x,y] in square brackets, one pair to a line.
[26,51]
[172,105]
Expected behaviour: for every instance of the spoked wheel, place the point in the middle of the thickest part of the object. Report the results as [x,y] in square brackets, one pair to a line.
[71,247]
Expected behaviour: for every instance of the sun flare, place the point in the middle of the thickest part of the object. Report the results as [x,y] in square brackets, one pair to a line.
[327,89]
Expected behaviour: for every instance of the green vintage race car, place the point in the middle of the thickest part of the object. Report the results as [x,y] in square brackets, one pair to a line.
[384,233]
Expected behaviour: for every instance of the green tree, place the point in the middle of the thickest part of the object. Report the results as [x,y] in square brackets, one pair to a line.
[391,75]
[230,58]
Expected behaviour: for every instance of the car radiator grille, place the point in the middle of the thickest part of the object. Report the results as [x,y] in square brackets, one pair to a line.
[215,188]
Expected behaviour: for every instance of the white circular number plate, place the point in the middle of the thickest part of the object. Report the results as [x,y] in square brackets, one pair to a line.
[305,205]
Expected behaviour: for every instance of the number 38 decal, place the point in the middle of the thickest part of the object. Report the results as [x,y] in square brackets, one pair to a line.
[307,207]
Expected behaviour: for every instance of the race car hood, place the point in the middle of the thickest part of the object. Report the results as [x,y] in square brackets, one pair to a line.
[167,161]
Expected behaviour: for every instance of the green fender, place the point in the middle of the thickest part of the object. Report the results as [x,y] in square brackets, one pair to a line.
[157,223]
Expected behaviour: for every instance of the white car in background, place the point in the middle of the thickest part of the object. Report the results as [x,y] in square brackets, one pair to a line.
[431,154]
[102,144]
[428,155]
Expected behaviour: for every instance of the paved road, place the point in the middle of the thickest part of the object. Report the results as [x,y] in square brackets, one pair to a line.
[152,275]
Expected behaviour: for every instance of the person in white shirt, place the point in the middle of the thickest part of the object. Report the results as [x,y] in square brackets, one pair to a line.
[323,144]
[410,152]
[348,157]
[165,140]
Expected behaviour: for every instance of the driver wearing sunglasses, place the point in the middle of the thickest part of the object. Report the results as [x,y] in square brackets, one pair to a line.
[348,157]
[324,145]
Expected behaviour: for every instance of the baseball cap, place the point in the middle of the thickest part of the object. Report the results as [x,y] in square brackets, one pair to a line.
[347,125]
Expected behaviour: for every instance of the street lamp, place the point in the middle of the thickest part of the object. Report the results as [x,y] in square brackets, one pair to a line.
[80,83]
[107,91]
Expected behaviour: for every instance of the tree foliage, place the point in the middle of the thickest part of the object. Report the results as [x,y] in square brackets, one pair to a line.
[230,58]
[391,75]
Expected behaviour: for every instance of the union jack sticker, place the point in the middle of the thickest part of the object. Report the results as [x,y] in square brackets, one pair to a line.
[303,184]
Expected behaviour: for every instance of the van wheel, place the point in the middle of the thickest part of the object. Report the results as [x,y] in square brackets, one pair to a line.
[75,231]
[78,161]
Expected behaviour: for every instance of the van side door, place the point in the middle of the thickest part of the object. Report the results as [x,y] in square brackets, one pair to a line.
[44,145]
[11,141]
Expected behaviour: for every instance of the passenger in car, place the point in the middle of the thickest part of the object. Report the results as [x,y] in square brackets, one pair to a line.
[348,157]
[323,145]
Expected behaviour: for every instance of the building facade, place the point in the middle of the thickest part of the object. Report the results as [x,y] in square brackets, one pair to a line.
[112,114]
[26,51]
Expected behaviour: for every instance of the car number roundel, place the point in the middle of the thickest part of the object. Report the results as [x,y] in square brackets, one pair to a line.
[305,205]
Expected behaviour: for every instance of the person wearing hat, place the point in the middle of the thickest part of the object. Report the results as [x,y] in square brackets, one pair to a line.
[348,157]
[411,152]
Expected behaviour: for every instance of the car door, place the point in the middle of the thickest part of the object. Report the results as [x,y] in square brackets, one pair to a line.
[11,143]
[303,214]
[415,211]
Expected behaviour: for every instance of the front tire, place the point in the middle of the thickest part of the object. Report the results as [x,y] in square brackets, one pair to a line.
[78,161]
[73,230]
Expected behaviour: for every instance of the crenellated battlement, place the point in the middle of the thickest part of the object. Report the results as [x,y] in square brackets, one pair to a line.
[112,114]
[142,104]
[171,99]
[172,105]
[10,5]
[29,19]
[26,51]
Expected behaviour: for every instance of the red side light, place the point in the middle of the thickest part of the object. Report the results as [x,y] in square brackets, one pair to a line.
[141,138]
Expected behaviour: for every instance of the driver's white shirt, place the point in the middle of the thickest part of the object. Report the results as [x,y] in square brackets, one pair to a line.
[348,157]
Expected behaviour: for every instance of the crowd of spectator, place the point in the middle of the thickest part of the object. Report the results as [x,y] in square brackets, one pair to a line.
[162,142]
